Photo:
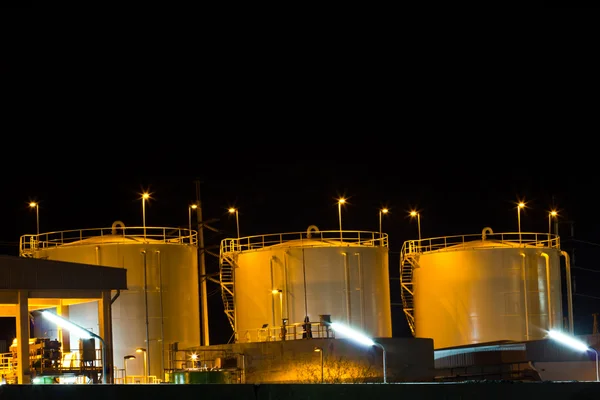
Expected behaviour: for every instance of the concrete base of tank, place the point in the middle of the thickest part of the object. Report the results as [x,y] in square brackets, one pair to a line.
[298,361]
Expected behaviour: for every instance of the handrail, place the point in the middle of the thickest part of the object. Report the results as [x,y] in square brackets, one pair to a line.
[335,239]
[494,240]
[32,242]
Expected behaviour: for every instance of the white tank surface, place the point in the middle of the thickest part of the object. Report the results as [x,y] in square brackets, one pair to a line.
[294,275]
[463,290]
[162,277]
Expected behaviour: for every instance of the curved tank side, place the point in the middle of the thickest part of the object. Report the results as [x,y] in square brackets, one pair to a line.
[172,266]
[479,295]
[313,282]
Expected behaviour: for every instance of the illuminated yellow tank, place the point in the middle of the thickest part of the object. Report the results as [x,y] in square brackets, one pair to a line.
[162,277]
[470,289]
[271,278]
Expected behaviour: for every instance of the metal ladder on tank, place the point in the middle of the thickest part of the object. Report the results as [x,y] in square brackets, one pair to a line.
[227,264]
[408,263]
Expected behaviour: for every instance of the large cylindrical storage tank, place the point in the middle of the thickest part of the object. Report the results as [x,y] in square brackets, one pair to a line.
[291,276]
[162,278]
[489,290]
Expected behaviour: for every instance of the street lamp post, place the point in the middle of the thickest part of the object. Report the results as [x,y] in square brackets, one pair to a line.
[145,196]
[146,373]
[82,333]
[362,339]
[551,214]
[190,208]
[237,220]
[382,211]
[35,205]
[320,351]
[519,206]
[341,202]
[125,366]
[576,345]
[418,215]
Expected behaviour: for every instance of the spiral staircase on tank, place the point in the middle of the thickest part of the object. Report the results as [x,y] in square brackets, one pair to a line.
[227,265]
[409,260]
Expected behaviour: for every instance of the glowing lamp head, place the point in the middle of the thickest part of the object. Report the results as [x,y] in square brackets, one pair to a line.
[232,210]
[145,196]
[140,350]
[193,206]
[385,210]
[318,349]
[413,213]
[342,201]
[194,357]
[521,205]
[33,204]
[553,213]
[129,357]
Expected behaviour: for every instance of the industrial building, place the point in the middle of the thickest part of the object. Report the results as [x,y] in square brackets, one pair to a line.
[479,307]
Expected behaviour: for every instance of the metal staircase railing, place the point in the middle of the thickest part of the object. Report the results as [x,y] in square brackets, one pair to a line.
[408,263]
[227,265]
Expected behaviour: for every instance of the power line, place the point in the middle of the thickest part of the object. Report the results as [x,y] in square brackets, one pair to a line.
[586,295]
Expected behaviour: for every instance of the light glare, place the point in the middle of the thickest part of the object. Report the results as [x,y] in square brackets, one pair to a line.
[385,210]
[352,334]
[568,341]
[342,201]
[32,204]
[65,324]
[232,210]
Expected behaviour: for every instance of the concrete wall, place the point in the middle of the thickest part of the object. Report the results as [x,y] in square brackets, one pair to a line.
[430,391]
[408,360]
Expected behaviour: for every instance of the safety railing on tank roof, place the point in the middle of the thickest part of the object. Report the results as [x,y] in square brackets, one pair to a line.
[493,240]
[335,239]
[29,243]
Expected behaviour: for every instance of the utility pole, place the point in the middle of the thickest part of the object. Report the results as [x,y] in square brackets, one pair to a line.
[595,327]
[204,339]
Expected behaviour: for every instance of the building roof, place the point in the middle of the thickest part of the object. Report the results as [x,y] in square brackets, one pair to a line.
[17,273]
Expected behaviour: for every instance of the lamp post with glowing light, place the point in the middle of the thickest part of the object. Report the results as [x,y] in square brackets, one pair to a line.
[519,206]
[146,373]
[381,212]
[125,366]
[35,205]
[576,345]
[341,202]
[237,220]
[416,214]
[190,208]
[194,358]
[362,339]
[82,333]
[551,214]
[145,196]
[320,351]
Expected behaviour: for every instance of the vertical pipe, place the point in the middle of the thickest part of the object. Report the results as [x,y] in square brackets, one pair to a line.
[272,294]
[548,290]
[146,310]
[162,318]
[304,278]
[347,289]
[569,290]
[362,292]
[525,297]
[202,275]
[97,255]
[340,217]
[285,290]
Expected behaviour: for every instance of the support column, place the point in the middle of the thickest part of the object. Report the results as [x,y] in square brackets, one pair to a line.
[64,336]
[23,371]
[105,326]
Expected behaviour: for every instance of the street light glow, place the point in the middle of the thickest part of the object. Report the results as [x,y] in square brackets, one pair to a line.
[32,204]
[232,210]
[413,213]
[352,334]
[342,201]
[385,210]
[553,213]
[521,205]
[568,341]
[193,206]
[145,196]
[68,325]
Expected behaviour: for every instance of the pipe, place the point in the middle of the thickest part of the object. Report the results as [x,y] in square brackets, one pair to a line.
[162,318]
[114,227]
[569,290]
[143,252]
[548,289]
[487,230]
[285,288]
[97,255]
[312,228]
[116,297]
[362,292]
[347,283]
[304,282]
[272,294]
[525,296]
